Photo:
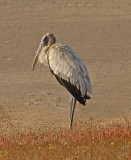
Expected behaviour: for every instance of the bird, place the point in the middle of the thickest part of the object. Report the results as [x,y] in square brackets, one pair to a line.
[67,67]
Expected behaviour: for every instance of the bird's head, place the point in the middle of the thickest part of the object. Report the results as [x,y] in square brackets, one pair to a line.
[46,41]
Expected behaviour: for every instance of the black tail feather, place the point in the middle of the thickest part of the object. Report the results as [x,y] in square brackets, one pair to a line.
[73,90]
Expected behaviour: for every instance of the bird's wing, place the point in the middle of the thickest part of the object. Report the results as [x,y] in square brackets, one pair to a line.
[70,69]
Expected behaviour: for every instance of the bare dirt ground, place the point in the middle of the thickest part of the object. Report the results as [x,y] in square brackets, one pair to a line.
[99,31]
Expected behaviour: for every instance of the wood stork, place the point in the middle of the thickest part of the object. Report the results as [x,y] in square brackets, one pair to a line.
[68,68]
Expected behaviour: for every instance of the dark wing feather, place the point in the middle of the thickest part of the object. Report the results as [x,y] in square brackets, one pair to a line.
[72,89]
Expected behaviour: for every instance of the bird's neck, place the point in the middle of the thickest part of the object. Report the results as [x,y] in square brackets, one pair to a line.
[43,55]
[46,49]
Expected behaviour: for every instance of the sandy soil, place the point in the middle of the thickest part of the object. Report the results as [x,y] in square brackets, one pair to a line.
[99,31]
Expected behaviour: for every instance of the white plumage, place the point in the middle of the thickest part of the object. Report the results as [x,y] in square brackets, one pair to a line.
[68,65]
[68,68]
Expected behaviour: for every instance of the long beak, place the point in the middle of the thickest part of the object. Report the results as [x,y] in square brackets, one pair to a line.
[36,56]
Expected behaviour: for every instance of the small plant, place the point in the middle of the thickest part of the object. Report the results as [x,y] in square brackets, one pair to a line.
[83,142]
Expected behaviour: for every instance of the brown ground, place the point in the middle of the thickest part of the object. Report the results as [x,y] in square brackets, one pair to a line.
[100,32]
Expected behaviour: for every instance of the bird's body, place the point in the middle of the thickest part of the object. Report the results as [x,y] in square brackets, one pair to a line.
[68,68]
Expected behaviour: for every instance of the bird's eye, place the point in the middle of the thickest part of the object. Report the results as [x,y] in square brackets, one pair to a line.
[45,40]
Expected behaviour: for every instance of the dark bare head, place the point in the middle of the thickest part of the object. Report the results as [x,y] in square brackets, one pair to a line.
[47,40]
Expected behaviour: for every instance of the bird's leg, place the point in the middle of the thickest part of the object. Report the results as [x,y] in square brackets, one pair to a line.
[72,114]
[71,103]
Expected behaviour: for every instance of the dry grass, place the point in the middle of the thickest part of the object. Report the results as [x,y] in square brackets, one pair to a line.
[84,142]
